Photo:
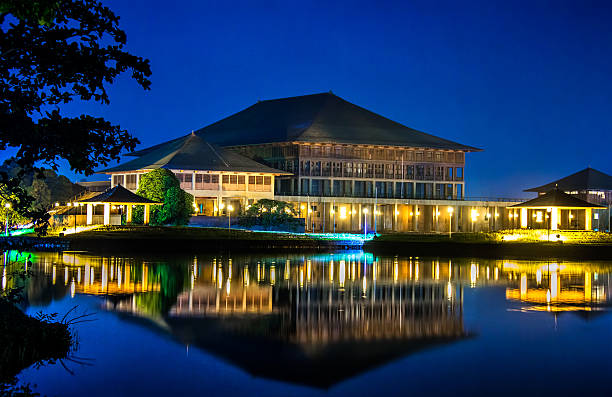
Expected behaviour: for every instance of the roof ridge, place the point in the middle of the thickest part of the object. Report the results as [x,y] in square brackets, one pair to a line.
[216,153]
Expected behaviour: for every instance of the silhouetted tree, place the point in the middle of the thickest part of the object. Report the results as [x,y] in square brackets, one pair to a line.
[53,52]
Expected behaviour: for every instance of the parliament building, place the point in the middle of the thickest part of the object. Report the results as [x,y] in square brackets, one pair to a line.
[345,168]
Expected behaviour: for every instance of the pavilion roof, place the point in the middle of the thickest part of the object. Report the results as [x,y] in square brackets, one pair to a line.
[557,198]
[194,153]
[587,179]
[317,118]
[119,195]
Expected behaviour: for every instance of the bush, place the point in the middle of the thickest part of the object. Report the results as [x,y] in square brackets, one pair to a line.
[270,214]
[162,185]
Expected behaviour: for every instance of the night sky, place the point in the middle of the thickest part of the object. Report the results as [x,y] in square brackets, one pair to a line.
[530,82]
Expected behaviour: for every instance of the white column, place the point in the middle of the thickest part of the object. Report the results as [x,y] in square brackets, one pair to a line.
[107,208]
[89,214]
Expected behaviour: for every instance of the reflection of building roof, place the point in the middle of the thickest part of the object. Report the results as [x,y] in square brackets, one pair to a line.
[193,153]
[260,354]
[318,118]
[557,198]
[119,195]
[587,179]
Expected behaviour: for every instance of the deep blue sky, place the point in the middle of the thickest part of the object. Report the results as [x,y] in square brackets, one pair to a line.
[530,82]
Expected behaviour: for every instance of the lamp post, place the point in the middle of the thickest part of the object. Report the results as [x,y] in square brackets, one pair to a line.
[375,205]
[549,216]
[230,208]
[333,214]
[7,207]
[596,216]
[450,222]
[365,223]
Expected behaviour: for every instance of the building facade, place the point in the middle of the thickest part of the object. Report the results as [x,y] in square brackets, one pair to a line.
[345,169]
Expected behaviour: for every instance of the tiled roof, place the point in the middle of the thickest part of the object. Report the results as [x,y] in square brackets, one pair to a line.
[119,195]
[558,198]
[193,153]
[318,118]
[587,179]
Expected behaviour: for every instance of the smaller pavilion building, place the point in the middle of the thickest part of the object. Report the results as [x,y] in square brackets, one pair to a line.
[554,210]
[115,199]
[217,178]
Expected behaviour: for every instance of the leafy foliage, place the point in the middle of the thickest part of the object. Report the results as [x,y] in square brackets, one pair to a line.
[269,214]
[162,185]
[52,53]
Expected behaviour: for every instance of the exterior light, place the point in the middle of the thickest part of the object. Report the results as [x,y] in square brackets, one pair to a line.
[230,208]
[221,206]
[411,213]
[7,205]
[332,211]
[396,212]
[365,210]
[302,207]
[450,210]
[57,204]
[69,204]
[343,212]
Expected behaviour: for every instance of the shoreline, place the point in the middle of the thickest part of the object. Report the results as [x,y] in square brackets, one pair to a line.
[179,239]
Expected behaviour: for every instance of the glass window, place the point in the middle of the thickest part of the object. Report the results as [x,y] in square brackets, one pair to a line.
[117,180]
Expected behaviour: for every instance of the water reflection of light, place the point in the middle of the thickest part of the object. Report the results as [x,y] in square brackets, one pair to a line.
[308,270]
[437,270]
[54,274]
[65,275]
[4,281]
[227,286]
[449,290]
[331,272]
[523,286]
[220,278]
[496,274]
[214,271]
[364,285]
[272,275]
[342,273]
[488,273]
[539,276]
[416,271]
[287,269]
[473,274]
[554,285]
[246,276]
[72,288]
[395,271]
[301,277]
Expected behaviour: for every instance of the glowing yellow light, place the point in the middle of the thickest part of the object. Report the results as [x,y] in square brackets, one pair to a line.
[539,216]
[450,210]
[411,213]
[332,211]
[57,204]
[523,286]
[246,278]
[287,269]
[365,210]
[342,273]
[331,272]
[473,274]
[449,290]
[230,208]
[301,277]
[342,212]
[272,275]
[474,215]
[303,207]
[539,276]
[221,206]
[396,212]
[72,288]
[308,270]
[227,287]
[496,274]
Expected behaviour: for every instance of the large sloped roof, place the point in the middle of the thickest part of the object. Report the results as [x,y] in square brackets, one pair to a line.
[193,153]
[587,179]
[317,118]
[119,195]
[557,198]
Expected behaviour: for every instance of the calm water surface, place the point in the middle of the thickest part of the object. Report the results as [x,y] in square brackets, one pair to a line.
[307,325]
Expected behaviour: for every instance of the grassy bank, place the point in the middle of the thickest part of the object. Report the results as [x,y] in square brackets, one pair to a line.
[511,244]
[176,238]
[26,340]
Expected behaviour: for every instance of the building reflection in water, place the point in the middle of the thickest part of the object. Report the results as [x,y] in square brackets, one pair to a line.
[307,314]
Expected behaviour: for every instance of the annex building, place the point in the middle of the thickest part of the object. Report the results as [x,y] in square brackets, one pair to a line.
[589,185]
[345,168]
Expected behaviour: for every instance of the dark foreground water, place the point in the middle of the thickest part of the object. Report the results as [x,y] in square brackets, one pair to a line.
[307,325]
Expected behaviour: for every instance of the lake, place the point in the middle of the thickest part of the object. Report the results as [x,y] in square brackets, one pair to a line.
[323,324]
